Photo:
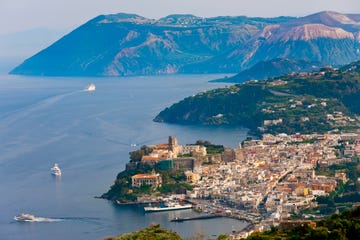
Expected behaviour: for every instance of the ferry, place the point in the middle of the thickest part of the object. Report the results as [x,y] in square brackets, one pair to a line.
[90,87]
[168,206]
[25,217]
[55,170]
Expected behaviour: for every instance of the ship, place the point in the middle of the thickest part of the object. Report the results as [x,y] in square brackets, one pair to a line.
[90,87]
[168,206]
[55,170]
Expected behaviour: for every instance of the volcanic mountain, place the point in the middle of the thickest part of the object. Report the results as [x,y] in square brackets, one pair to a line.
[128,44]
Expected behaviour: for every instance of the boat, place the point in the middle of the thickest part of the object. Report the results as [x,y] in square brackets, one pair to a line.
[55,170]
[90,87]
[25,217]
[168,206]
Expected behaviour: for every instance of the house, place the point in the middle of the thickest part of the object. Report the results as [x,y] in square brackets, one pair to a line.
[153,179]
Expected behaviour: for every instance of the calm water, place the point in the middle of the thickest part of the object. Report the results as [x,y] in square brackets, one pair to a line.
[48,120]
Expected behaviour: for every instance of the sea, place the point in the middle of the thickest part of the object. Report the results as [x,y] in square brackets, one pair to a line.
[47,120]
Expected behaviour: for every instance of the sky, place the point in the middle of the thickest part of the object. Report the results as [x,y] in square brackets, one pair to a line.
[22,15]
[28,26]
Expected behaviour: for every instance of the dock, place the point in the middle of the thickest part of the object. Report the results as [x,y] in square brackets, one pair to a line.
[195,218]
[217,215]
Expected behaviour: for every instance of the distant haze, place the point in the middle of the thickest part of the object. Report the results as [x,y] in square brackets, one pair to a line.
[20,15]
[27,26]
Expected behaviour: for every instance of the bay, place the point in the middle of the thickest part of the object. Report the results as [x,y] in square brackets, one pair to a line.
[89,134]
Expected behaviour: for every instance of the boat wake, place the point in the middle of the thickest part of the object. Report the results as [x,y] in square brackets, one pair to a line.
[39,219]
[22,113]
[45,219]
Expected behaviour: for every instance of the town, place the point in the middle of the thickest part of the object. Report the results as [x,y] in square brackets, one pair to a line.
[262,181]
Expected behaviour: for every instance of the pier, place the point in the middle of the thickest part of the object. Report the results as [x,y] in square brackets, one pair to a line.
[196,218]
[218,215]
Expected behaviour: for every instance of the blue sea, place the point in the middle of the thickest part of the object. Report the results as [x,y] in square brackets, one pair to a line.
[90,134]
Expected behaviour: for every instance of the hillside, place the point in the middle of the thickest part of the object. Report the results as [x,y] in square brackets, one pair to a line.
[303,102]
[339,226]
[128,44]
[151,233]
[328,37]
[272,68]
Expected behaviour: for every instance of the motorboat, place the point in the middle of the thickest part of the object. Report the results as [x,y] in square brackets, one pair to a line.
[55,170]
[90,87]
[25,217]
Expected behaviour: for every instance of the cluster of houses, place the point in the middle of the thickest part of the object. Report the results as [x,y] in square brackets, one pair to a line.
[275,173]
[169,156]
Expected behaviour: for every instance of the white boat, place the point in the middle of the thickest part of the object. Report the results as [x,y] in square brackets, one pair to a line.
[90,87]
[168,206]
[55,170]
[25,217]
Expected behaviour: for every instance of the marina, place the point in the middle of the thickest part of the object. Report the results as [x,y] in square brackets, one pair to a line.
[203,217]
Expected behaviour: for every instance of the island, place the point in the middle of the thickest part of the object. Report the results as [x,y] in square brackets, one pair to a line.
[123,44]
[276,180]
[305,102]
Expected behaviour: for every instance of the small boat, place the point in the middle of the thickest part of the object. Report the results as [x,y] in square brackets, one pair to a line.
[25,217]
[90,87]
[55,170]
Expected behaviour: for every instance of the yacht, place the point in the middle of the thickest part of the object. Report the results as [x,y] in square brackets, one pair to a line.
[90,87]
[55,170]
[25,217]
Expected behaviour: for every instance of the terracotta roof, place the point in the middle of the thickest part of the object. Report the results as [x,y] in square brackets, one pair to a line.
[144,175]
[162,146]
[149,158]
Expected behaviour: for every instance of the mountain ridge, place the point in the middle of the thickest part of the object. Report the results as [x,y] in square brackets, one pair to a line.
[272,68]
[128,44]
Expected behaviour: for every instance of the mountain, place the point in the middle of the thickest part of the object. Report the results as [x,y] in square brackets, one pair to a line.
[273,68]
[299,102]
[128,44]
[328,37]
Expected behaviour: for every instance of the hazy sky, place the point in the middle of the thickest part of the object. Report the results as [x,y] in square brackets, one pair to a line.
[19,15]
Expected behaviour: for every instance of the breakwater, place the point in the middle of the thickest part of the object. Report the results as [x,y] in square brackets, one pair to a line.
[195,218]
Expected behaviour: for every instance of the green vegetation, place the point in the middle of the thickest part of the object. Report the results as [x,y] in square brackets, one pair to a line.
[173,182]
[210,148]
[339,226]
[346,195]
[343,226]
[151,233]
[136,156]
[304,102]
